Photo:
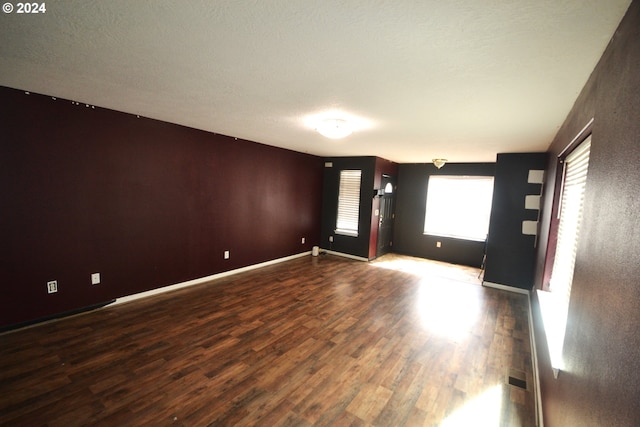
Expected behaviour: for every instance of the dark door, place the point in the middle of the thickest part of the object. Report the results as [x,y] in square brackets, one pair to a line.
[385,219]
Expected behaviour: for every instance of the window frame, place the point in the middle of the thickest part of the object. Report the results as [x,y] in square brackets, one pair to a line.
[554,300]
[434,230]
[348,206]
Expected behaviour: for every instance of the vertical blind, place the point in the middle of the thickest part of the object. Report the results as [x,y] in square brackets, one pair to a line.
[348,202]
[572,200]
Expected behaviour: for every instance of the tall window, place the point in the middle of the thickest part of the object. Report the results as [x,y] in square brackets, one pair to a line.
[576,166]
[459,206]
[348,202]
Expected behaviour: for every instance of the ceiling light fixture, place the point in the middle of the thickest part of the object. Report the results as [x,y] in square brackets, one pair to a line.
[334,128]
[439,162]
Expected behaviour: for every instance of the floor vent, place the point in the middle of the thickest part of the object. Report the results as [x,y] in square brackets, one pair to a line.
[518,382]
[517,378]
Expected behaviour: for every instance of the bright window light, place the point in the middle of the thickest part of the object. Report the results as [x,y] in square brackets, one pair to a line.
[459,206]
[348,203]
[555,304]
[484,410]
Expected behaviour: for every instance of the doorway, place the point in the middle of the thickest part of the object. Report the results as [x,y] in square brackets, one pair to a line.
[387,215]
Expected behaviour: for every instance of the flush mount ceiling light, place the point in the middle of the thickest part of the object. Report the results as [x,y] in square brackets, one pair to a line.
[439,162]
[334,128]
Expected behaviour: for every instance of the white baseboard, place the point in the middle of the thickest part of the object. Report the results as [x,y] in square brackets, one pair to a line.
[358,258]
[536,374]
[205,279]
[505,288]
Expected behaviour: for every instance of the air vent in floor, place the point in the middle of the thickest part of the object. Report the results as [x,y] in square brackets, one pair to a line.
[517,378]
[518,382]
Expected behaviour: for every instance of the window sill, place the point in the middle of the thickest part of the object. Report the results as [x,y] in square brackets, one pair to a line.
[346,233]
[449,236]
[554,319]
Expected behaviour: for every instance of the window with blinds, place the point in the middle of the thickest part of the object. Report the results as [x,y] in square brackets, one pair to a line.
[572,197]
[348,202]
[576,166]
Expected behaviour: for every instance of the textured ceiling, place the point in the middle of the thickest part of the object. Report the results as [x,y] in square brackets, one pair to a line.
[459,79]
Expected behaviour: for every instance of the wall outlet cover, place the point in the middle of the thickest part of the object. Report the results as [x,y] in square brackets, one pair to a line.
[52,286]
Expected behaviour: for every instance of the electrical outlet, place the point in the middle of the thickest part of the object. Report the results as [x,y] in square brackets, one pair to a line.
[95,278]
[331,238]
[52,286]
[438,244]
[303,240]
[226,255]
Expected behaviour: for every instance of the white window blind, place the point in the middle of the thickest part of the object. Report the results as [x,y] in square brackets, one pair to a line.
[571,205]
[459,206]
[348,202]
[555,304]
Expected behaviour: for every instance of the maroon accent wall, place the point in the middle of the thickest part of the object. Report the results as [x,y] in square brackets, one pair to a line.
[600,384]
[144,202]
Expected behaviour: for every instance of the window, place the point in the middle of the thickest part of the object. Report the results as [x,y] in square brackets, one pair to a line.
[555,303]
[348,202]
[459,206]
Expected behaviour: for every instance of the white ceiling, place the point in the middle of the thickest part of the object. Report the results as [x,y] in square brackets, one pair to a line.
[459,79]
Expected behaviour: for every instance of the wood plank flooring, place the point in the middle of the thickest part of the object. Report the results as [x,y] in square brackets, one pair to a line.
[316,341]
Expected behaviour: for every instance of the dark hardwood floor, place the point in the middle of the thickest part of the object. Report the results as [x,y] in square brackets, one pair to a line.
[313,341]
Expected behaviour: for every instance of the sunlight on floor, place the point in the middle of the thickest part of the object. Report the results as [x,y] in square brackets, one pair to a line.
[446,303]
[426,267]
[484,410]
[445,310]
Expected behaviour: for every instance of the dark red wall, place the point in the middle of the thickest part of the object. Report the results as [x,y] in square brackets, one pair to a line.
[600,384]
[145,203]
